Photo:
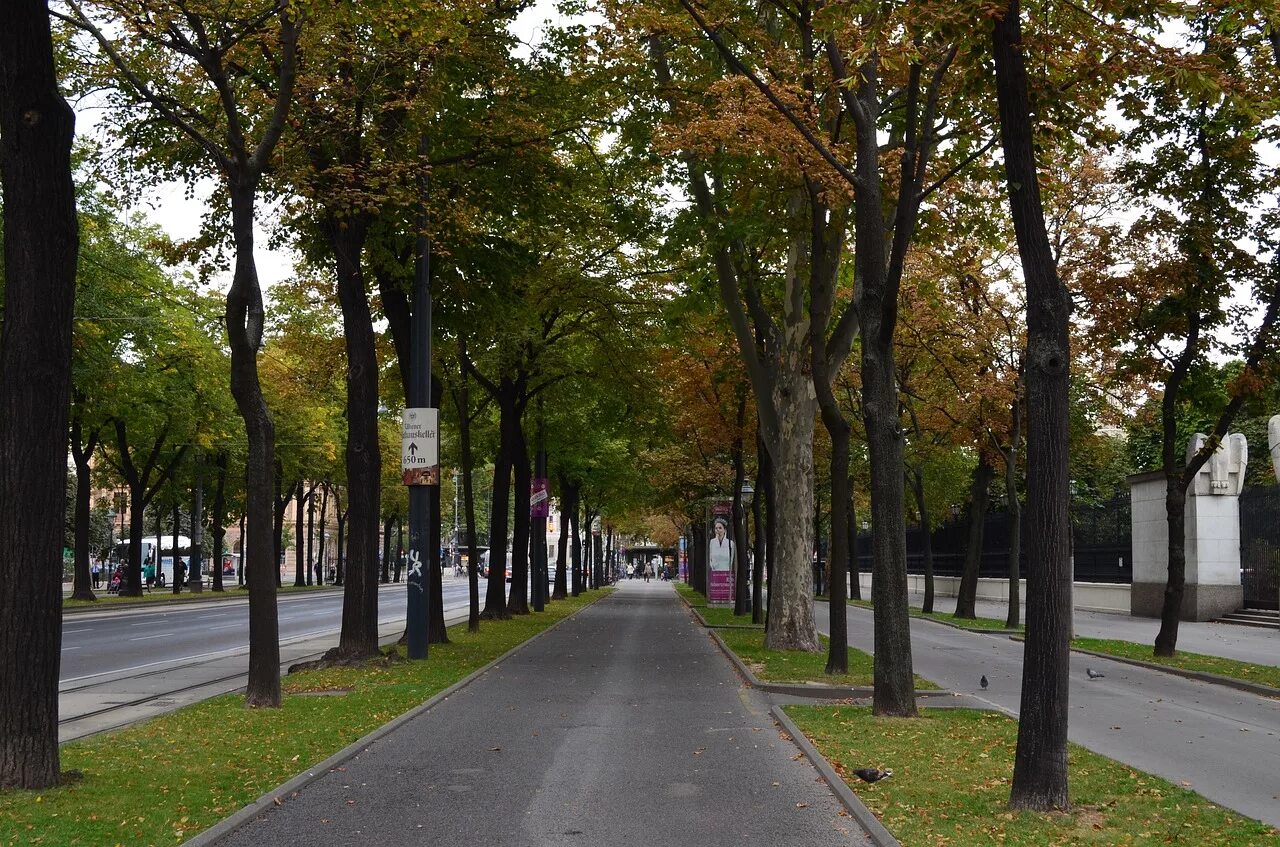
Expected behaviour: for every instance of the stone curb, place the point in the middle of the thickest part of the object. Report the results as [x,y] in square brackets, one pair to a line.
[266,801]
[703,621]
[1199,676]
[795,689]
[880,836]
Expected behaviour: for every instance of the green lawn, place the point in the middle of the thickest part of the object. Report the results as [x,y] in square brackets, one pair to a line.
[1260,674]
[797,665]
[724,616]
[948,618]
[163,595]
[950,786]
[163,781]
[690,594]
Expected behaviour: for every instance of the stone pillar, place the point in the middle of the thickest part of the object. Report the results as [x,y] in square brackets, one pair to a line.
[1212,525]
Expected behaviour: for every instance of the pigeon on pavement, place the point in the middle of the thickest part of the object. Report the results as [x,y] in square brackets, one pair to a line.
[1092,674]
[983,682]
[872,774]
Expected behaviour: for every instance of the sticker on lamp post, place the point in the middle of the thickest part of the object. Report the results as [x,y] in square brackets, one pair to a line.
[419,447]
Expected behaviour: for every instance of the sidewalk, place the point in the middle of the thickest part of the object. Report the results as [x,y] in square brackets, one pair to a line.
[622,726]
[1229,641]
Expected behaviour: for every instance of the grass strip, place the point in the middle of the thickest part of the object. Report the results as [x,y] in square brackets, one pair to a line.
[1244,671]
[693,596]
[161,595]
[948,618]
[724,616]
[951,779]
[799,666]
[165,780]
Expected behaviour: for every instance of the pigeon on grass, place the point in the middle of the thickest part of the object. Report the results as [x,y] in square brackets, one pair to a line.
[983,682]
[1092,674]
[872,774]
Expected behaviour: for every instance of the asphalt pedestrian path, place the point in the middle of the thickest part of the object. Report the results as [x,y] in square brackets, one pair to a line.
[622,726]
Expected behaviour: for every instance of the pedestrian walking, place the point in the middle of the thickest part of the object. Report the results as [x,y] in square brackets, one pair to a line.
[95,571]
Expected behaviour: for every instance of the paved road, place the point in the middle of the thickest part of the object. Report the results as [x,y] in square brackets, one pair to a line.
[1230,641]
[1220,742]
[123,665]
[623,726]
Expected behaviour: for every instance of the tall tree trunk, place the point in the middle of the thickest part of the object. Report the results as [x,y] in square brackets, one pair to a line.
[359,635]
[219,521]
[177,527]
[791,624]
[40,244]
[468,495]
[195,575]
[299,538]
[518,601]
[311,532]
[771,539]
[1040,763]
[757,513]
[741,597]
[967,594]
[851,533]
[926,538]
[281,503]
[81,452]
[495,600]
[1013,618]
[398,560]
[576,544]
[324,525]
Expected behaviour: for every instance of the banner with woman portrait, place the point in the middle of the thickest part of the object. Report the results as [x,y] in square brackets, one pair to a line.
[720,554]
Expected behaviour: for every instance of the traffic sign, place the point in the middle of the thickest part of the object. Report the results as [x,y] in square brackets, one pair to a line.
[419,446]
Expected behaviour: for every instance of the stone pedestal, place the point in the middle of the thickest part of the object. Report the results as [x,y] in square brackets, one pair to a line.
[1212,516]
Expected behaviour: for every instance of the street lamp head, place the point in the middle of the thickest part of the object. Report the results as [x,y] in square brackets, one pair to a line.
[747,491]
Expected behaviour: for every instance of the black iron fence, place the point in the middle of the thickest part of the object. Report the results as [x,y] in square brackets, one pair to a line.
[1100,536]
[1260,547]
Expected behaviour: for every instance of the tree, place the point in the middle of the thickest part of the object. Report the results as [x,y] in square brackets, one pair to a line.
[248,58]
[1208,194]
[40,242]
[1040,761]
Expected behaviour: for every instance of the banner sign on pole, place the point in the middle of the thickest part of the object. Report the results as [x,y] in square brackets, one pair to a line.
[419,446]
[539,499]
[720,555]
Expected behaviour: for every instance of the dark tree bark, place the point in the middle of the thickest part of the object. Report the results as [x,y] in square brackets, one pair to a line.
[1010,454]
[40,244]
[495,601]
[219,521]
[398,559]
[966,595]
[757,517]
[851,536]
[279,504]
[340,551]
[518,599]
[178,581]
[741,596]
[311,532]
[1040,763]
[926,539]
[299,538]
[575,542]
[82,447]
[462,398]
[324,525]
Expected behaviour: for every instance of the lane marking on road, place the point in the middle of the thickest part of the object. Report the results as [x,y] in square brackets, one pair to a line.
[145,637]
[225,626]
[70,631]
[65,649]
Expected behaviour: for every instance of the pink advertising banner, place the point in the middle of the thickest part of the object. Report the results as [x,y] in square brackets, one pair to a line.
[720,555]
